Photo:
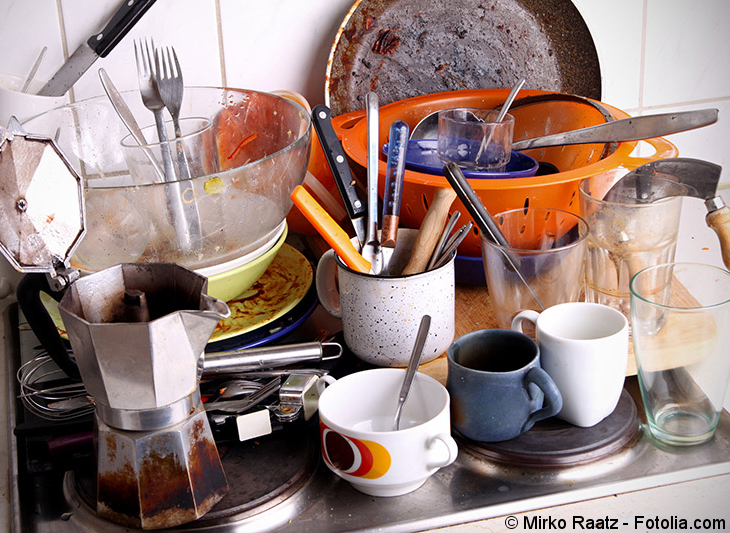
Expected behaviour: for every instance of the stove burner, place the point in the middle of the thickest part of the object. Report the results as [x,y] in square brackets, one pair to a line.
[261,473]
[553,442]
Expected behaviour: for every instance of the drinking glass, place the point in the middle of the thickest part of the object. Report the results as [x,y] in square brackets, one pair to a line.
[680,316]
[473,139]
[548,246]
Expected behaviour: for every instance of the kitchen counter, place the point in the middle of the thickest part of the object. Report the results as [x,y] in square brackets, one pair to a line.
[674,498]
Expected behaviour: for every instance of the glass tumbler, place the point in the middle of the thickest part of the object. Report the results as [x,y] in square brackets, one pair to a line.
[624,239]
[680,315]
[548,245]
[472,139]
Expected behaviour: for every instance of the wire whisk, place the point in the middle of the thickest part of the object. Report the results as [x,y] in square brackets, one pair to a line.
[45,395]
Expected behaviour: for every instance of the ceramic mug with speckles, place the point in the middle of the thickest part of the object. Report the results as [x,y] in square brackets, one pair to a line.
[381,314]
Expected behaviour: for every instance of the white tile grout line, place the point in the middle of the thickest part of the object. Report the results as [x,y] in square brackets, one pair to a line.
[642,57]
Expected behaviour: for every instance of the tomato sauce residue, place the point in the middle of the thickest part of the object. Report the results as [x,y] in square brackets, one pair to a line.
[284,284]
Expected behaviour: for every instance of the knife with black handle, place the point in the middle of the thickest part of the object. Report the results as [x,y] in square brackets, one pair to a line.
[335,155]
[98,45]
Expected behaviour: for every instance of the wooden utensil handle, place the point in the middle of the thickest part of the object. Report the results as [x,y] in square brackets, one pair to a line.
[431,228]
[719,220]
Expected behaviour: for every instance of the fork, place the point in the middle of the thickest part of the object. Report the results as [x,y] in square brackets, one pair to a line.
[151,99]
[170,87]
[184,213]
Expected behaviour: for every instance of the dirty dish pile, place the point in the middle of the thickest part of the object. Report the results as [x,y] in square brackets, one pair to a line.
[251,149]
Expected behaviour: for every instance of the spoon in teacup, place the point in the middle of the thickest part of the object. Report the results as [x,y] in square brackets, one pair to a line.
[412,368]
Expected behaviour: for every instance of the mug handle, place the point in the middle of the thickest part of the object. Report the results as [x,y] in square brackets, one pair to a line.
[323,382]
[553,399]
[451,448]
[326,281]
[528,314]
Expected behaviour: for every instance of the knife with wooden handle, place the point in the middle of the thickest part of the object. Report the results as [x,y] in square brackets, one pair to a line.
[431,228]
[718,218]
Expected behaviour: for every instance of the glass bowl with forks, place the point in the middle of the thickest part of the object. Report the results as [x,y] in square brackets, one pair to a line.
[244,151]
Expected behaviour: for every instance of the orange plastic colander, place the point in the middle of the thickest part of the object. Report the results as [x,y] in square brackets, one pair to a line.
[536,113]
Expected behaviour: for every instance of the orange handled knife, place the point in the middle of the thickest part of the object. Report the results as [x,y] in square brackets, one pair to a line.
[330,230]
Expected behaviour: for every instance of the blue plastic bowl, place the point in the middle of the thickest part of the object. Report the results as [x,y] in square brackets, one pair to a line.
[422,156]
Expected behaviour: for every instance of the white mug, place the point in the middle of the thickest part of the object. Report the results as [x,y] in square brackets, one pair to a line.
[381,314]
[360,444]
[23,106]
[584,348]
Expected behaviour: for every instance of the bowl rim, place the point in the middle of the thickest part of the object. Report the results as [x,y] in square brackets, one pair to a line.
[303,137]
[247,258]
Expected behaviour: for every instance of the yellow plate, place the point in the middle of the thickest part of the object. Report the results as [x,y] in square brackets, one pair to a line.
[278,291]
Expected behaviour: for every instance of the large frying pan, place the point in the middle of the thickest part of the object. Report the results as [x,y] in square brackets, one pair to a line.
[404,48]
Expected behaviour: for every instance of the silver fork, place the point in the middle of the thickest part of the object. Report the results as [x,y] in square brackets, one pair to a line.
[183,211]
[170,87]
[143,52]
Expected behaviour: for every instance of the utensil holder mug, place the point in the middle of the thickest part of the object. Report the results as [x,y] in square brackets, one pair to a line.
[381,314]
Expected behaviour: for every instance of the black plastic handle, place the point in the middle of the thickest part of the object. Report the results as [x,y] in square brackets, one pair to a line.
[337,160]
[28,292]
[119,25]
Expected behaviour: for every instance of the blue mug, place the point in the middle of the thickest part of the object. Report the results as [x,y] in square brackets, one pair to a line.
[496,385]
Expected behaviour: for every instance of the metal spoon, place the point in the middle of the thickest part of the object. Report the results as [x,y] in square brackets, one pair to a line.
[428,127]
[412,368]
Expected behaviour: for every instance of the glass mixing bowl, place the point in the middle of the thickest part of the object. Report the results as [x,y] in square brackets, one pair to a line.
[246,152]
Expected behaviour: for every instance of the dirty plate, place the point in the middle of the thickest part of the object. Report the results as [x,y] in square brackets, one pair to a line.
[278,291]
[404,48]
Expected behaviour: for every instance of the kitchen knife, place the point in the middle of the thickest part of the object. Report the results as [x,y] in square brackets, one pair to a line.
[335,155]
[394,175]
[98,45]
[628,129]
[329,229]
[680,176]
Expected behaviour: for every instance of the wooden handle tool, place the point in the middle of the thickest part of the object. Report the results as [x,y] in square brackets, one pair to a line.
[431,228]
[718,218]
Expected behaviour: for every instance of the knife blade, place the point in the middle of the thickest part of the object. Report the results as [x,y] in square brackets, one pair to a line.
[628,129]
[127,118]
[337,161]
[98,45]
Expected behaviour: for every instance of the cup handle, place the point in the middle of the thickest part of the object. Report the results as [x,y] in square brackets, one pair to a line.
[553,399]
[326,282]
[451,448]
[528,314]
[323,382]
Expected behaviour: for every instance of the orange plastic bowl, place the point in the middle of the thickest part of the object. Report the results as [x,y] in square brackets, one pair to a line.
[536,113]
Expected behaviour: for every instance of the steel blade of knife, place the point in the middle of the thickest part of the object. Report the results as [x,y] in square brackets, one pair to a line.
[663,178]
[337,161]
[98,45]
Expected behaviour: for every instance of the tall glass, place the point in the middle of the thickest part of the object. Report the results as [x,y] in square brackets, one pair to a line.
[680,314]
[548,246]
[624,239]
